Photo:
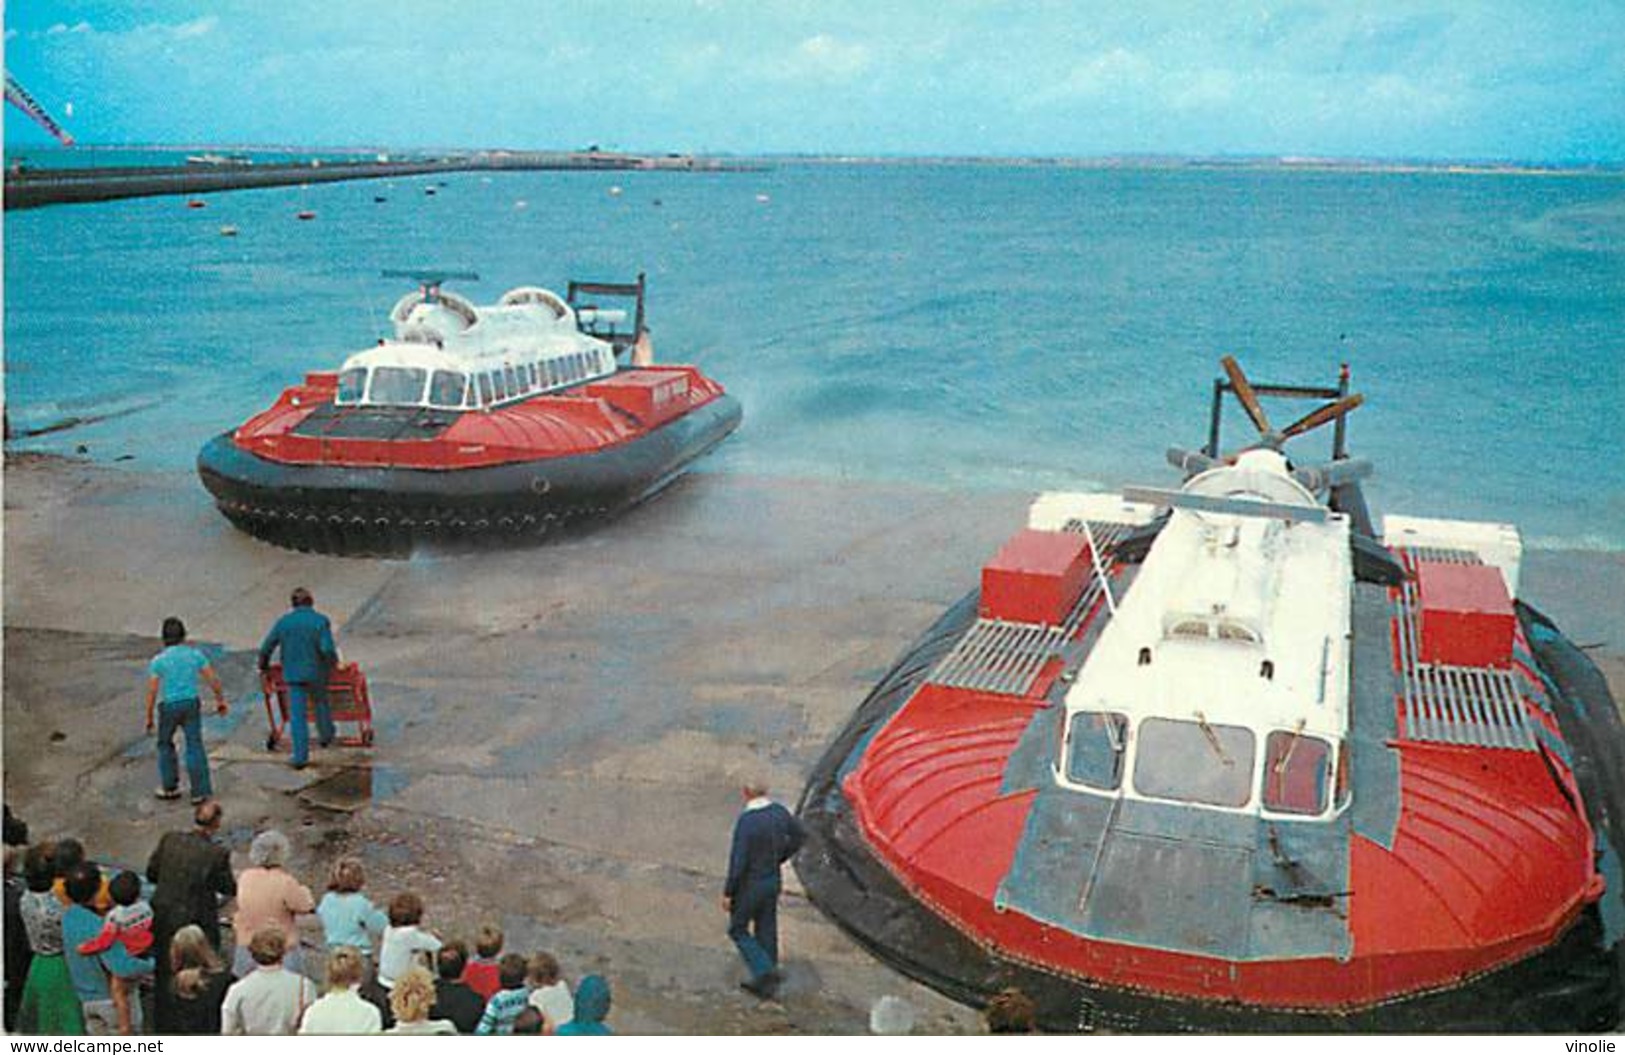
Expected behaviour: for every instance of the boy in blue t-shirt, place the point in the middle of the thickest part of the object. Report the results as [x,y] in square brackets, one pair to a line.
[172,690]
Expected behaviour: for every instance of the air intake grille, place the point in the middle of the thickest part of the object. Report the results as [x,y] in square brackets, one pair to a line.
[1443,555]
[1476,706]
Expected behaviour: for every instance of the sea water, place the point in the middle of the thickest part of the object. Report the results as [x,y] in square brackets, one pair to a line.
[968,327]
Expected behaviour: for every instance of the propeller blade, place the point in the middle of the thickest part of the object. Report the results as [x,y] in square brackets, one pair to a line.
[1316,418]
[1245,393]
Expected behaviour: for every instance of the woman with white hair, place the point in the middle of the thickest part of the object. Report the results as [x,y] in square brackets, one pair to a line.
[268,896]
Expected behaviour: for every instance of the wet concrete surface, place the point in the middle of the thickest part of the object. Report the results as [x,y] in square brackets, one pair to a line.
[560,729]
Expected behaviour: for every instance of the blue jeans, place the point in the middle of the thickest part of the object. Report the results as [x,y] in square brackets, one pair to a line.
[298,693]
[754,925]
[187,716]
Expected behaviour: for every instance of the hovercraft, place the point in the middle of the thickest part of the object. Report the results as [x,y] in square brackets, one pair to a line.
[474,424]
[1225,758]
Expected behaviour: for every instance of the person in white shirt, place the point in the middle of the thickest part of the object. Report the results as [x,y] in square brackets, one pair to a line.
[404,942]
[548,992]
[272,999]
[343,1010]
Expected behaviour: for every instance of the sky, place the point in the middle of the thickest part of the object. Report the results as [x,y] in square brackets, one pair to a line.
[1533,81]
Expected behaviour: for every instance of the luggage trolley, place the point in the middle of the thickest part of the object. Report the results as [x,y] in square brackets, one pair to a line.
[346,694]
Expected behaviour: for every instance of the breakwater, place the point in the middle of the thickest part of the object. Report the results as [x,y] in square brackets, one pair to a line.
[31,188]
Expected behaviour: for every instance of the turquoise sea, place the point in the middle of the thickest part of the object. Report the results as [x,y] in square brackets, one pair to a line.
[972,327]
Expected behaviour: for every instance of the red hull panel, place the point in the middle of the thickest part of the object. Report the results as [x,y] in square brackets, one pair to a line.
[649,397]
[575,422]
[930,786]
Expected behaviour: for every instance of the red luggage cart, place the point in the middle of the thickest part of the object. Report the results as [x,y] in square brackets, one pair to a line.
[346,694]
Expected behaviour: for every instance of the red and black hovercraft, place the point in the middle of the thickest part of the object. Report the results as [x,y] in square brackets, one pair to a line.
[474,424]
[1224,758]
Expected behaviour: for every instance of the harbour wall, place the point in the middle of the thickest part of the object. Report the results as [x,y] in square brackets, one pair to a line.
[28,189]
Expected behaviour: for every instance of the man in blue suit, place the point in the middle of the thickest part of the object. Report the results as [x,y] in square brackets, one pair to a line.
[765,836]
[308,655]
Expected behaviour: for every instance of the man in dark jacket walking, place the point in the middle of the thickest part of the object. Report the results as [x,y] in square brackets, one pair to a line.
[766,835]
[305,637]
[191,872]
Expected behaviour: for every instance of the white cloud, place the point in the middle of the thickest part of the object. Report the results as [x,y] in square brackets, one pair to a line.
[61,27]
[827,56]
[1397,94]
[700,59]
[1105,74]
[1202,90]
[196,28]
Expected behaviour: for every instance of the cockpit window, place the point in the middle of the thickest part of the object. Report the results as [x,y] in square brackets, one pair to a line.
[446,388]
[352,383]
[1297,772]
[1194,762]
[397,385]
[1094,752]
[486,393]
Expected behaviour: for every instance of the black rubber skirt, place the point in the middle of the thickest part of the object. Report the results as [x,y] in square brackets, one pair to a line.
[383,511]
[1572,987]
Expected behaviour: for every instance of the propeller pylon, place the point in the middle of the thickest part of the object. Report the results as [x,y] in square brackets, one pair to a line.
[1268,435]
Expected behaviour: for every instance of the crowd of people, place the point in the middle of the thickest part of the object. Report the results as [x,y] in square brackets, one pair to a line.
[105,952]
[91,950]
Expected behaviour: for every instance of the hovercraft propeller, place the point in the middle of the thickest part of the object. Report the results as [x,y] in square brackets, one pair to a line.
[1247,396]
[1338,480]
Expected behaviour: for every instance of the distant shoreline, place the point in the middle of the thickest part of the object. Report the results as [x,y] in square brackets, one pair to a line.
[592,158]
[1214,164]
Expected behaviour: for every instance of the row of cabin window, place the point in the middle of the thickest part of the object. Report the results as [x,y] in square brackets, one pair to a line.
[1205,764]
[404,386]
[496,385]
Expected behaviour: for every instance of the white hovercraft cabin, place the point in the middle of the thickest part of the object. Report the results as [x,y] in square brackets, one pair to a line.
[449,354]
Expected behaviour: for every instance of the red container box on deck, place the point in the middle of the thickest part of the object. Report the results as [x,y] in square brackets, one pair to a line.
[1036,577]
[1467,617]
[653,397]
